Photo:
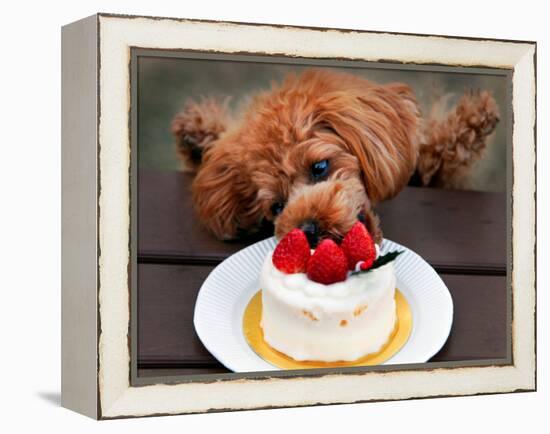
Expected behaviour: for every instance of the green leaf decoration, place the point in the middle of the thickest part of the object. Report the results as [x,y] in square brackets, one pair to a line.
[380,261]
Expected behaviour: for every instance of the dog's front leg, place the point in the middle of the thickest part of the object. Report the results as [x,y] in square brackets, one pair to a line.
[197,127]
[451,144]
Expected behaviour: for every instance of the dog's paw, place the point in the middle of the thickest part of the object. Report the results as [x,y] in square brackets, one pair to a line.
[196,127]
[477,113]
[452,144]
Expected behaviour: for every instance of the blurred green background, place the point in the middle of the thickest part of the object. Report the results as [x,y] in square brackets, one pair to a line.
[164,84]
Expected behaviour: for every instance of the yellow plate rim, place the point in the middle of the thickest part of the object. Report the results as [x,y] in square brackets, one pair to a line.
[254,336]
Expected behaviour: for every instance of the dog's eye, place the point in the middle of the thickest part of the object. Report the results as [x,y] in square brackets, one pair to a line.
[319,170]
[277,208]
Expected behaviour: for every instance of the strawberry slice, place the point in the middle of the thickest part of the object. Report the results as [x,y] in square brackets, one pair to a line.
[328,264]
[292,253]
[359,246]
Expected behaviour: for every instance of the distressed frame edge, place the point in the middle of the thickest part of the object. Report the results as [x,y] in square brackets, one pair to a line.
[316,28]
[116,410]
[79,284]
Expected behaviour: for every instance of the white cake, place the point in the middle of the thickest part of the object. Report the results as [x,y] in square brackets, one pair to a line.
[342,321]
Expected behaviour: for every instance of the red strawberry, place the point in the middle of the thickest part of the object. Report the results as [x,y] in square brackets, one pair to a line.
[328,264]
[359,246]
[292,253]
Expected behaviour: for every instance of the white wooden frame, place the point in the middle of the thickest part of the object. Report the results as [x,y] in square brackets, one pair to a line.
[96,217]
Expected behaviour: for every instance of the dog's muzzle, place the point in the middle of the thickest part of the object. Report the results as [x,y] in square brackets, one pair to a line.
[311,229]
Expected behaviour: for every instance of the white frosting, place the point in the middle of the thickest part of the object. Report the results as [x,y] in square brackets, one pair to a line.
[343,321]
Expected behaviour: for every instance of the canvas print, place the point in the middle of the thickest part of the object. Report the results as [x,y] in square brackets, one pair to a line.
[304,215]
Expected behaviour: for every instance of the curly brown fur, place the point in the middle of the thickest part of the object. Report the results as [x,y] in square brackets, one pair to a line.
[453,143]
[371,135]
[196,127]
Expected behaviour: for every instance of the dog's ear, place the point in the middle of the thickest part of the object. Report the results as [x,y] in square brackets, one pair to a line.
[378,125]
[224,197]
[371,220]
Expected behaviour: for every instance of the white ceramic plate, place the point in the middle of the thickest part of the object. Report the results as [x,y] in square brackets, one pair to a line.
[224,296]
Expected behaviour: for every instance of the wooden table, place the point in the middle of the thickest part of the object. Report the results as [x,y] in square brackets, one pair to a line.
[461,234]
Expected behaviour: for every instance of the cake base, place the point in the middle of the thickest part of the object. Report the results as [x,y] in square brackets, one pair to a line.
[254,336]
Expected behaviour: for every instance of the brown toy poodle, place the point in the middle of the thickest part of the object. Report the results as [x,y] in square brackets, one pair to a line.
[320,151]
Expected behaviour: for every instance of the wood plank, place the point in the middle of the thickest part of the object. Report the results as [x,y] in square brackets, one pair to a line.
[479,323]
[455,231]
[167,227]
[167,339]
[166,302]
[172,372]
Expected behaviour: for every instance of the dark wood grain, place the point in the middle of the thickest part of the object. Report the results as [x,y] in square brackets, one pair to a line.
[455,231]
[167,338]
[479,323]
[167,227]
[166,335]
[171,372]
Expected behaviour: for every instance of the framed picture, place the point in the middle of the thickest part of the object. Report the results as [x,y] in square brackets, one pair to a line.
[261,216]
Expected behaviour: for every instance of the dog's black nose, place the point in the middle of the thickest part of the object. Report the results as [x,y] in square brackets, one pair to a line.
[311,229]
